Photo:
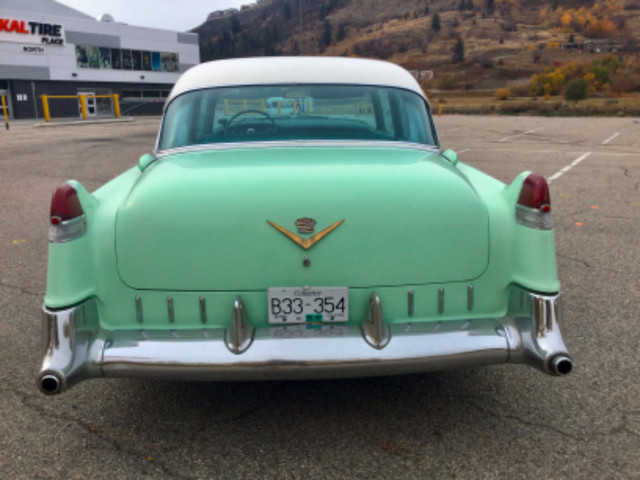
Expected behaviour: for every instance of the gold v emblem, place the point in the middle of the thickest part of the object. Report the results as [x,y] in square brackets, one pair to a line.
[306,243]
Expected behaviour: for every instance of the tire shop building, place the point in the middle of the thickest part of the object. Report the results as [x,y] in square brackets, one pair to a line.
[47,48]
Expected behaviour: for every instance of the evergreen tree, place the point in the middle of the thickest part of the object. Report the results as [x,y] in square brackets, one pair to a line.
[235,24]
[436,24]
[286,11]
[327,35]
[458,51]
[576,89]
[490,6]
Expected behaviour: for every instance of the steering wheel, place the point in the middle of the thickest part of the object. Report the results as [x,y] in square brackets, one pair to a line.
[244,112]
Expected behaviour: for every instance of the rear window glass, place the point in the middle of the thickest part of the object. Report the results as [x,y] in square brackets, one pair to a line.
[296,112]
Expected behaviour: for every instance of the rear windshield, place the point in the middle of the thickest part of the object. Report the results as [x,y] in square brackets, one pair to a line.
[296,112]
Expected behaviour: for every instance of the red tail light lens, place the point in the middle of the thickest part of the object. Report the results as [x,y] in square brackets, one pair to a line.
[65,204]
[535,193]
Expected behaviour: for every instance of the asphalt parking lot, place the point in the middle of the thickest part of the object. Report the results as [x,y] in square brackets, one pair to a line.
[494,422]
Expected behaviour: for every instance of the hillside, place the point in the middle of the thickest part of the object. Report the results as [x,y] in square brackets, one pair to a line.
[479,44]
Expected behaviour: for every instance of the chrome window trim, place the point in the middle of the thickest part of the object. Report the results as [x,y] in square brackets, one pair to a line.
[297,143]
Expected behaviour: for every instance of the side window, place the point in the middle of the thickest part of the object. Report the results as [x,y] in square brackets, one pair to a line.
[387,117]
[204,122]
[416,124]
[413,118]
[178,123]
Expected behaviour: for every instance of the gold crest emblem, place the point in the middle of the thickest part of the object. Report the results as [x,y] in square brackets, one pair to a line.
[305,225]
[306,243]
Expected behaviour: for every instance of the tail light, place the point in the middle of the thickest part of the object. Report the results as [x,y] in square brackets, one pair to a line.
[67,219]
[534,205]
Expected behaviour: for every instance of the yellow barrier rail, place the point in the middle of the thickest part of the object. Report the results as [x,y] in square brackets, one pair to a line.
[83,103]
[4,110]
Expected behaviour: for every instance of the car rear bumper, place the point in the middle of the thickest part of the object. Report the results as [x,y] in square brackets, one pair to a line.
[77,349]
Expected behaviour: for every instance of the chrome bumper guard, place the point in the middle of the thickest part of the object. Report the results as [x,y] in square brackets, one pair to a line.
[76,348]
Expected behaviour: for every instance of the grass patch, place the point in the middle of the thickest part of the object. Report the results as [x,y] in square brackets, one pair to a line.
[482,104]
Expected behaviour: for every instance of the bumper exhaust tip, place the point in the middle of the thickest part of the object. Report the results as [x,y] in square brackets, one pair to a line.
[50,384]
[561,365]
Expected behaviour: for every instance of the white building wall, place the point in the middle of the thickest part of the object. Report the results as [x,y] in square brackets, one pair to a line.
[60,60]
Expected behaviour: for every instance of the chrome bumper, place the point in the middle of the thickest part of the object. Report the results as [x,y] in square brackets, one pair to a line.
[76,348]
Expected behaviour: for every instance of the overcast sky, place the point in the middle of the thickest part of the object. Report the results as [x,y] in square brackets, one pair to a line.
[179,15]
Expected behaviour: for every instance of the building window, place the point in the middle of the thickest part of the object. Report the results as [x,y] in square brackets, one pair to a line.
[149,95]
[89,56]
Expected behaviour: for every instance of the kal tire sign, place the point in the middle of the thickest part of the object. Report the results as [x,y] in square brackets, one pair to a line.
[23,31]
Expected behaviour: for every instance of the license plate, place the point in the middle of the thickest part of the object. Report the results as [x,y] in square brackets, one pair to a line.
[308,305]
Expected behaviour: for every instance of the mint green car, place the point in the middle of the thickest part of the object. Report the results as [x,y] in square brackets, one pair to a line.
[329,238]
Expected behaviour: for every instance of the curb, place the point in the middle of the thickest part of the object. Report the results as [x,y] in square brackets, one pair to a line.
[83,122]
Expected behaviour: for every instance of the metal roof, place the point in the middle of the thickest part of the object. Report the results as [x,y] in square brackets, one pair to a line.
[44,7]
[293,70]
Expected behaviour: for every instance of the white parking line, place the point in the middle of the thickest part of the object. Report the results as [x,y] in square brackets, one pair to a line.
[520,134]
[564,170]
[611,137]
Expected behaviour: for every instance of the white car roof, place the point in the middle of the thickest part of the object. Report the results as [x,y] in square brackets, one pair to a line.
[292,70]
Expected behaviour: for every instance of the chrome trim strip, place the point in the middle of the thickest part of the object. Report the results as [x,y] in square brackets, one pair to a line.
[440,300]
[203,310]
[170,310]
[76,348]
[239,335]
[410,302]
[297,143]
[470,297]
[139,317]
[374,330]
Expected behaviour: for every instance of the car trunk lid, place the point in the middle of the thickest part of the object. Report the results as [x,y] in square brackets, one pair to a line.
[207,221]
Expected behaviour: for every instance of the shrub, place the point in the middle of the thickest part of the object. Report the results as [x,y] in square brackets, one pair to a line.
[576,90]
[520,88]
[625,81]
[503,94]
[447,82]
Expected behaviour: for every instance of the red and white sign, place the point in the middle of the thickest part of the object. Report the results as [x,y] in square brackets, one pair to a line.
[24,31]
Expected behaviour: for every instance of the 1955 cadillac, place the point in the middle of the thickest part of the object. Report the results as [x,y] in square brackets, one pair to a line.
[298,219]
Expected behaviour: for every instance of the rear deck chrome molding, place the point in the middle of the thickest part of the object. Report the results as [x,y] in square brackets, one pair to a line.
[410,303]
[139,317]
[76,348]
[170,310]
[203,310]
